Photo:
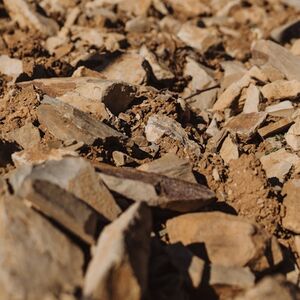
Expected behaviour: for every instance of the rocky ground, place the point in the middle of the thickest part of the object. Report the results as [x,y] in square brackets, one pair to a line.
[149,149]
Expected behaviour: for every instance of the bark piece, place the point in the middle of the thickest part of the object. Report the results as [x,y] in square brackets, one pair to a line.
[67,210]
[88,94]
[199,38]
[227,240]
[118,269]
[172,166]
[229,150]
[156,190]
[291,202]
[246,125]
[37,261]
[275,128]
[24,14]
[160,125]
[10,66]
[278,163]
[75,175]
[281,89]
[267,52]
[68,123]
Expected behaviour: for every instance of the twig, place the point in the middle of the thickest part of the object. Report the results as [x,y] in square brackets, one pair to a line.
[198,92]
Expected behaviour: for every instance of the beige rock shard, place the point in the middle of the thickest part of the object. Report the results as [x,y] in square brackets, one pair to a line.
[291,202]
[24,14]
[246,125]
[293,136]
[68,123]
[154,189]
[228,97]
[252,99]
[199,38]
[172,166]
[189,8]
[10,66]
[75,175]
[228,240]
[30,245]
[119,267]
[161,125]
[281,89]
[229,150]
[269,53]
[274,128]
[88,94]
[277,164]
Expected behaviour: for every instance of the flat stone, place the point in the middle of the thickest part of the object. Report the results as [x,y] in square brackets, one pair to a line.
[173,194]
[246,125]
[227,98]
[293,136]
[269,53]
[172,166]
[237,277]
[27,136]
[275,128]
[228,240]
[229,150]
[161,125]
[23,13]
[160,73]
[68,123]
[38,155]
[282,109]
[200,80]
[126,63]
[291,202]
[189,8]
[233,71]
[270,288]
[281,89]
[88,94]
[278,164]
[119,267]
[252,99]
[63,207]
[29,244]
[198,38]
[75,175]
[10,66]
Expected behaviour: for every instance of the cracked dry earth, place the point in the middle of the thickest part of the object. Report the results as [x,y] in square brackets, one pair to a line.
[149,149]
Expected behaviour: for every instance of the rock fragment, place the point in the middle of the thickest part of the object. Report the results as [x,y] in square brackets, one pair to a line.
[246,240]
[252,99]
[246,125]
[281,89]
[172,166]
[10,66]
[199,38]
[229,150]
[24,14]
[267,52]
[286,32]
[154,189]
[88,94]
[54,263]
[75,175]
[189,8]
[118,269]
[291,202]
[282,109]
[277,164]
[293,136]
[275,128]
[68,123]
[160,125]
